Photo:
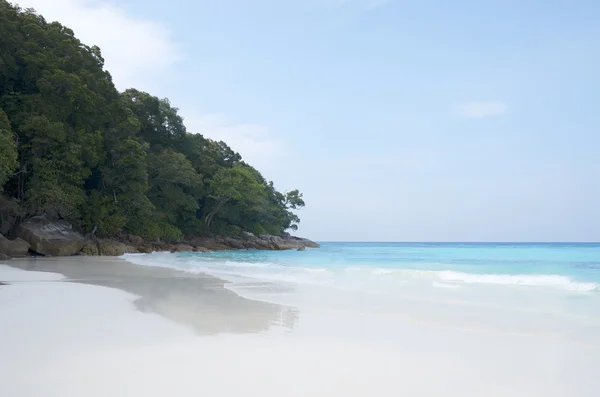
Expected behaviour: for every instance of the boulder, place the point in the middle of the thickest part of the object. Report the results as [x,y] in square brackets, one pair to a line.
[17,248]
[90,248]
[106,248]
[235,244]
[4,257]
[248,236]
[135,240]
[111,248]
[145,249]
[182,248]
[51,238]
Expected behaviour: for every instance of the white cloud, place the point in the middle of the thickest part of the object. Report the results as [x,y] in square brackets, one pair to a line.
[254,142]
[480,110]
[136,51]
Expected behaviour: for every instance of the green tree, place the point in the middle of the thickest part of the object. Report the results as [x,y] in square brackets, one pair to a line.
[8,150]
[230,185]
[73,147]
[174,182]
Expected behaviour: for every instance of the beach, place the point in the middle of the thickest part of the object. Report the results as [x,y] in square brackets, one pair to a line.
[86,326]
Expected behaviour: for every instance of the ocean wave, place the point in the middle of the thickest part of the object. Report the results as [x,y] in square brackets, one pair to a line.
[537,280]
[362,274]
[528,280]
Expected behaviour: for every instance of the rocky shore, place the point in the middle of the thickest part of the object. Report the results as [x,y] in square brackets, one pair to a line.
[42,236]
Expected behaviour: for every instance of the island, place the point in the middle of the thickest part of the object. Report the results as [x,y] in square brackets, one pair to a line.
[86,169]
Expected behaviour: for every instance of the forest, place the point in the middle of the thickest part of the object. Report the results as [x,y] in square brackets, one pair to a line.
[75,148]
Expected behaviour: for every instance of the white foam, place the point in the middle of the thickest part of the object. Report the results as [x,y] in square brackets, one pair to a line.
[538,280]
[355,275]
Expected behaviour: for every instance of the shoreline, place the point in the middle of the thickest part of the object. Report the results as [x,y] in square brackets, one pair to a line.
[199,301]
[99,326]
[40,236]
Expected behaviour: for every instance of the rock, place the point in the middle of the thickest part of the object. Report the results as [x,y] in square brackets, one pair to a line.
[301,249]
[163,247]
[52,238]
[106,248]
[248,235]
[135,240]
[111,248]
[90,248]
[131,249]
[264,242]
[306,242]
[4,257]
[182,248]
[17,248]
[235,244]
[145,249]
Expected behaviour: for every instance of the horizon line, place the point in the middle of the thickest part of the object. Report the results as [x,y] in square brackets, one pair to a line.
[459,242]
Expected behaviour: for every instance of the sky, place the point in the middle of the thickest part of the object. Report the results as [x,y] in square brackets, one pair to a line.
[399,120]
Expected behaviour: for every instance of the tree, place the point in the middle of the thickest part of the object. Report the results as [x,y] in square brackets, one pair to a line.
[232,184]
[160,125]
[173,184]
[293,200]
[8,150]
[73,147]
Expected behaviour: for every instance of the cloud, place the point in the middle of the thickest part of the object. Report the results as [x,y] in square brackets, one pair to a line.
[480,110]
[254,142]
[136,51]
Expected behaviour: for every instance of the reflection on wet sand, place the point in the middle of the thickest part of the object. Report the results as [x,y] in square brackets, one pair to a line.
[196,300]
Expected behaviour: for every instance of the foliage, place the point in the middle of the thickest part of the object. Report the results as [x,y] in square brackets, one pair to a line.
[8,150]
[73,147]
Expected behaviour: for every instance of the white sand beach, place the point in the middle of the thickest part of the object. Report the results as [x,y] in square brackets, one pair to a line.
[103,327]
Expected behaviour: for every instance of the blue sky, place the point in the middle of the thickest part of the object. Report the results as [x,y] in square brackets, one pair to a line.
[400,120]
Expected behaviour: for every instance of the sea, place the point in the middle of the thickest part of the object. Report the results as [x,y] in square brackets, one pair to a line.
[540,289]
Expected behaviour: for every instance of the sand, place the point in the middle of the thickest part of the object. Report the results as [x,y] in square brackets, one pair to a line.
[103,327]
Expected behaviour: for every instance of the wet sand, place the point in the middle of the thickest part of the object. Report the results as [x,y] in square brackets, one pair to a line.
[195,300]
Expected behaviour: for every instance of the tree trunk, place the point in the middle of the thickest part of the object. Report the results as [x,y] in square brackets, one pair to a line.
[209,217]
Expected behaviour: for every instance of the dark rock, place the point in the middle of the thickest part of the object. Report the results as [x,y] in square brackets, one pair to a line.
[111,248]
[163,247]
[145,249]
[248,236]
[245,241]
[90,248]
[182,248]
[135,240]
[106,248]
[52,238]
[17,248]
[235,244]
[4,257]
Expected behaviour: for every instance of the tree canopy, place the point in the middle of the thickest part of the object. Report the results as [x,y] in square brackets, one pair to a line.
[73,147]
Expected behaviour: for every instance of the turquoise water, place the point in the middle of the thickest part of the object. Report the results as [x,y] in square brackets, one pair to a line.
[580,261]
[530,289]
[568,266]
